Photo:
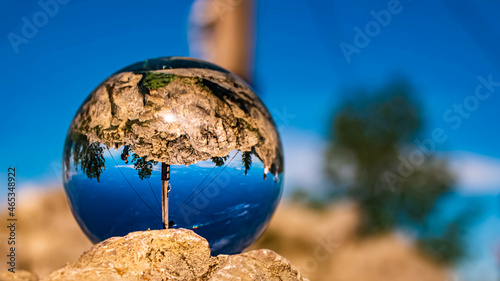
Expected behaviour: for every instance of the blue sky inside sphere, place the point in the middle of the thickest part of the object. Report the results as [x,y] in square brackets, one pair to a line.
[227,205]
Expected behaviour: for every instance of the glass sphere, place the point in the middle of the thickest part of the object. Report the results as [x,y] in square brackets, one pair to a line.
[180,133]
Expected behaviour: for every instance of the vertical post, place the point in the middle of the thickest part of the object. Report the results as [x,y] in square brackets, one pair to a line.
[223,32]
[165,177]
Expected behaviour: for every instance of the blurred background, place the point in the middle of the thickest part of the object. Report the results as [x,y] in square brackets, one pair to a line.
[386,111]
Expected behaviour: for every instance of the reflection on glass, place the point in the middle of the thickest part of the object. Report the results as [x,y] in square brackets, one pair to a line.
[198,133]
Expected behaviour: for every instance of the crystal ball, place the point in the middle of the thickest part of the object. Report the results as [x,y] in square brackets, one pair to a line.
[174,142]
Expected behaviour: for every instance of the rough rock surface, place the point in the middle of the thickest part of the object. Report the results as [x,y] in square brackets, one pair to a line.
[179,116]
[20,275]
[174,254]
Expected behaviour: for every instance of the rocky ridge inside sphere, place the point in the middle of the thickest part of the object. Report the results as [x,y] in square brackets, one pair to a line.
[179,116]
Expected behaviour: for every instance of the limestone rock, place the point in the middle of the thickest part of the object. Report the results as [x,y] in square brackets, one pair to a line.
[20,275]
[174,254]
[256,265]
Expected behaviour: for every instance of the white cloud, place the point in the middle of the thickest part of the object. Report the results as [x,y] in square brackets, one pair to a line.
[475,173]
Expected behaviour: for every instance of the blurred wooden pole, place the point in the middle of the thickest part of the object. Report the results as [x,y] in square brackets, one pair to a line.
[223,32]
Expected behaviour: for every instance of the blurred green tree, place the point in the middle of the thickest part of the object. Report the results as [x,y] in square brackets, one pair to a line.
[368,160]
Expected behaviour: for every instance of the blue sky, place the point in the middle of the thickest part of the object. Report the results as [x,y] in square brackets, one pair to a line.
[441,49]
